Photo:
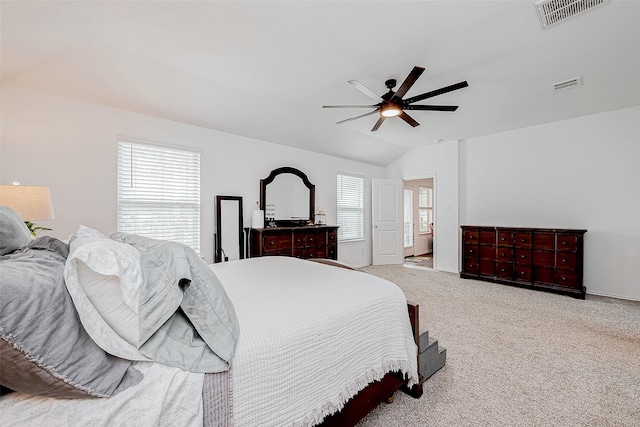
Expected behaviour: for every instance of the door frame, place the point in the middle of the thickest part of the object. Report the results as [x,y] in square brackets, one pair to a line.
[435,210]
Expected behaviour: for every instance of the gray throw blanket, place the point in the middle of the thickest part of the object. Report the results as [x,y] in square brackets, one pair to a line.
[187,318]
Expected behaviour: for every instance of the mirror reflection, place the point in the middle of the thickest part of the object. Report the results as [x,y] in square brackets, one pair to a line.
[287,197]
[229,232]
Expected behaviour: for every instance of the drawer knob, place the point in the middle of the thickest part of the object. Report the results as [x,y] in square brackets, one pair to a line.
[502,255]
[311,239]
[522,273]
[502,238]
[471,265]
[522,240]
[564,242]
[502,269]
[470,251]
[470,237]
[564,260]
[522,256]
[564,279]
[272,242]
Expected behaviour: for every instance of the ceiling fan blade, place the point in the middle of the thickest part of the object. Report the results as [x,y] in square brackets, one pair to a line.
[431,107]
[357,117]
[350,106]
[408,82]
[378,123]
[407,118]
[362,88]
[436,92]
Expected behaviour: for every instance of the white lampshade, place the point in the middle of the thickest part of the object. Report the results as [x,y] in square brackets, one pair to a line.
[31,203]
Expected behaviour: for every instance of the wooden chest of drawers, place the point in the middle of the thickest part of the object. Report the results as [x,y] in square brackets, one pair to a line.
[300,242]
[539,258]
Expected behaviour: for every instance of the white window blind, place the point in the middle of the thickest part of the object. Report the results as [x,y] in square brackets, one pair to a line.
[159,192]
[426,209]
[350,207]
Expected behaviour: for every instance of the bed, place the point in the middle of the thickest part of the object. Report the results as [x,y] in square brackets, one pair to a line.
[314,342]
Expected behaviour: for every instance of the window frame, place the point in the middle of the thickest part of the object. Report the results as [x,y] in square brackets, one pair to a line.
[168,201]
[359,235]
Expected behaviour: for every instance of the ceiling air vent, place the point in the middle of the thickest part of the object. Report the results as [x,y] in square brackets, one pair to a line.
[567,84]
[552,12]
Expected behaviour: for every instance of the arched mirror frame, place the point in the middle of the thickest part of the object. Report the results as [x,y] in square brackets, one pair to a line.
[312,193]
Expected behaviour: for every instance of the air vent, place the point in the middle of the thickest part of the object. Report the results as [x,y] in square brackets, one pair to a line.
[567,84]
[552,12]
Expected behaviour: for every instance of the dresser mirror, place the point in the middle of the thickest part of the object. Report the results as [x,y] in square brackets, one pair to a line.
[287,198]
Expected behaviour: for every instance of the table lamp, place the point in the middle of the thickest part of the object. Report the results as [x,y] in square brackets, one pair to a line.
[30,202]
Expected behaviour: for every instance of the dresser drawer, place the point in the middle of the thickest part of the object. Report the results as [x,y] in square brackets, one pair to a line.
[276,242]
[544,258]
[522,273]
[544,241]
[505,238]
[563,278]
[332,251]
[522,256]
[487,268]
[566,260]
[487,237]
[298,240]
[471,251]
[319,252]
[567,242]
[543,275]
[332,237]
[522,240]
[504,270]
[487,252]
[312,239]
[470,236]
[471,266]
[505,254]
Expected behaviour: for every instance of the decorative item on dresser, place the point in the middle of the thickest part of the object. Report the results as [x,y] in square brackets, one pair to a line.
[313,241]
[537,258]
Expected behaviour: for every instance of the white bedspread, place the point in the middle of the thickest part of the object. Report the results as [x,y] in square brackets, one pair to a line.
[302,355]
[166,397]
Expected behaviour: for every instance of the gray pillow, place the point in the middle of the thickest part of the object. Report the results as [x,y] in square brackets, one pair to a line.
[14,233]
[44,350]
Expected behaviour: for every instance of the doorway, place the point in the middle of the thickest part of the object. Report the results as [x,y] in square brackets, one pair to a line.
[419,222]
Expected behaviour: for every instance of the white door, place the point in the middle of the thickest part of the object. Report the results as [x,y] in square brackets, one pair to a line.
[387,221]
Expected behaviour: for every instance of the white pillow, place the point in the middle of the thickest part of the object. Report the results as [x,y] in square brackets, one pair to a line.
[103,277]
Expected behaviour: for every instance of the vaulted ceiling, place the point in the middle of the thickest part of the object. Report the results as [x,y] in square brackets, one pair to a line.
[265,69]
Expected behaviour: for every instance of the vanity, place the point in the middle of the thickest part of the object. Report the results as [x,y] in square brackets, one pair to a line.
[288,201]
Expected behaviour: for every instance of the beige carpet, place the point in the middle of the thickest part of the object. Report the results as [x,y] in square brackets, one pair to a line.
[517,357]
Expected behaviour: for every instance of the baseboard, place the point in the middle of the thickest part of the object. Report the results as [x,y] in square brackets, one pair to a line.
[608,295]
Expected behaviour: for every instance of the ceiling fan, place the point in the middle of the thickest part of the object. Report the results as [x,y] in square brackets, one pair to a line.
[391,103]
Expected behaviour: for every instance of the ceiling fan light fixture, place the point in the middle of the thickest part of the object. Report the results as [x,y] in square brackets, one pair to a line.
[390,111]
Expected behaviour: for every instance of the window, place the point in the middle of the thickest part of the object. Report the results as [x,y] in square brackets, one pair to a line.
[159,192]
[425,209]
[350,207]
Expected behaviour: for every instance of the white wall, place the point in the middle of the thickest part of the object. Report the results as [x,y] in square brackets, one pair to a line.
[70,146]
[578,173]
[441,162]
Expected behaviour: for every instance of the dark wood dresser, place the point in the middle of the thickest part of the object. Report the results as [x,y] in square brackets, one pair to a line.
[313,241]
[537,258]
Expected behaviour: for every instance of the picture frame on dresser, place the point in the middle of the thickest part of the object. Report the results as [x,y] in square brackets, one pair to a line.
[537,258]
